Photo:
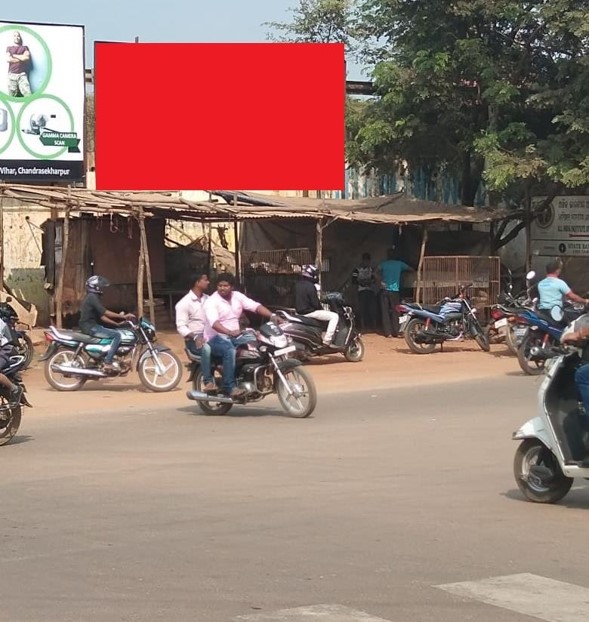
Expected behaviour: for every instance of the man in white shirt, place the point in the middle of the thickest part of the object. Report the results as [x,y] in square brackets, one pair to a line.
[190,323]
[223,310]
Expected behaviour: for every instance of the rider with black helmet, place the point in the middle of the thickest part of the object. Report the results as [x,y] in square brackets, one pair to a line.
[93,314]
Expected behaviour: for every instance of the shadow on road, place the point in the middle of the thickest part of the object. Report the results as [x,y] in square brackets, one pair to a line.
[577,498]
[239,412]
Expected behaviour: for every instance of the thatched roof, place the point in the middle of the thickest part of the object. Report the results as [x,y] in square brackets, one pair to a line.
[230,206]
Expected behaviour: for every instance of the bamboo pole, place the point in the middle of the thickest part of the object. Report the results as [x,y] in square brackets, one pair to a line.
[140,270]
[62,268]
[420,266]
[147,266]
[319,248]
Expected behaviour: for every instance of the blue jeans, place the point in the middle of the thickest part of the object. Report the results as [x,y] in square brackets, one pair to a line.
[582,382]
[205,358]
[108,333]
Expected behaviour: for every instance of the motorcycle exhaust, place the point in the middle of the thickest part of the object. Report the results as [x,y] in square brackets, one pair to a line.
[201,396]
[544,353]
[78,371]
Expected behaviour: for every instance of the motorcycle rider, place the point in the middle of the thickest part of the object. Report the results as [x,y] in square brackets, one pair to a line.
[553,290]
[307,303]
[222,332]
[190,323]
[582,373]
[93,314]
[15,391]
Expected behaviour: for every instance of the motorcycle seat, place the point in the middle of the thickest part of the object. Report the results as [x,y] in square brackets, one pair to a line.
[73,335]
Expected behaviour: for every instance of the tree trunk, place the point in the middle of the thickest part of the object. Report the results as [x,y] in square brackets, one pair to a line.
[472,173]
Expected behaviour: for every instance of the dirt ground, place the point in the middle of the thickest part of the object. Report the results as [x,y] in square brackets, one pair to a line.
[388,363]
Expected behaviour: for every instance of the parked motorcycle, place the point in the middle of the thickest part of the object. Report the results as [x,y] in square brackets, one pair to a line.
[554,446]
[72,358]
[455,320]
[11,415]
[264,366]
[306,333]
[505,323]
[21,341]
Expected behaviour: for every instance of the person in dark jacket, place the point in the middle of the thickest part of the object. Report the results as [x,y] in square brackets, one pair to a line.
[307,303]
[93,316]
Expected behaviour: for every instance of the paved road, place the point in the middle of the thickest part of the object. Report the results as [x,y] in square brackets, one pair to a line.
[367,507]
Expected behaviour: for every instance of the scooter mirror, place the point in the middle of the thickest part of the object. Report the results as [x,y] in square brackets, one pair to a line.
[557,314]
[530,275]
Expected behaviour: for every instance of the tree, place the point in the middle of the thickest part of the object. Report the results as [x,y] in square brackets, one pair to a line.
[486,89]
[316,21]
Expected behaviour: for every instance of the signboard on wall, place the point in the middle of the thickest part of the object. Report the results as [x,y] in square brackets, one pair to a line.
[562,229]
[42,93]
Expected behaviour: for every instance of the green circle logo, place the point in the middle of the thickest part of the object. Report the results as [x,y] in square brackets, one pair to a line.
[10,113]
[35,100]
[41,41]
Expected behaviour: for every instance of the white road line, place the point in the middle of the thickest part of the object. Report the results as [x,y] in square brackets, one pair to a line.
[316,613]
[529,594]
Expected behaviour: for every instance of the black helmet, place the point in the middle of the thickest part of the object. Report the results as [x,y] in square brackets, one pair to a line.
[96,284]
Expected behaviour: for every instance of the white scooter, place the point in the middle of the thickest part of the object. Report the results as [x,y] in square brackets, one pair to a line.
[555,447]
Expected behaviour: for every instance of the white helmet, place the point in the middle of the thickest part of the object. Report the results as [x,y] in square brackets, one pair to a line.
[310,272]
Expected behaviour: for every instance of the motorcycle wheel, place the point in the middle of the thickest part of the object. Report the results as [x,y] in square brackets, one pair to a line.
[413,326]
[528,365]
[550,489]
[480,336]
[56,379]
[212,407]
[355,351]
[304,400]
[9,427]
[511,339]
[160,383]
[25,348]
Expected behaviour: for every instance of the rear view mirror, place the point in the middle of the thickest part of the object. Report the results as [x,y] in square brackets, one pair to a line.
[557,314]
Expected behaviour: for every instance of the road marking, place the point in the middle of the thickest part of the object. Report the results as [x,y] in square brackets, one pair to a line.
[530,594]
[317,613]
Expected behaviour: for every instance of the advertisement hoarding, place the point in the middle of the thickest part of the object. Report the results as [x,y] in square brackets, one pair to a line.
[562,228]
[42,93]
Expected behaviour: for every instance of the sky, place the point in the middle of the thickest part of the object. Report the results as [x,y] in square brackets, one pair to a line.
[158,21]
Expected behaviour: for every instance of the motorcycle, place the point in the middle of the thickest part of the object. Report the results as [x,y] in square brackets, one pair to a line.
[10,414]
[264,366]
[455,320]
[306,333]
[542,339]
[21,341]
[506,324]
[72,358]
[554,446]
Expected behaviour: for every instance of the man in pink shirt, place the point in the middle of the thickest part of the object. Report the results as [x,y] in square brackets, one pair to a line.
[222,332]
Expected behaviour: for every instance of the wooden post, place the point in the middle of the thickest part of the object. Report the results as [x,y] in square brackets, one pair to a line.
[62,266]
[140,269]
[420,266]
[236,239]
[319,247]
[147,266]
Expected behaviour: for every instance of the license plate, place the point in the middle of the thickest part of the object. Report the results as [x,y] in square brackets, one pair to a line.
[520,332]
[283,351]
[501,323]
[403,319]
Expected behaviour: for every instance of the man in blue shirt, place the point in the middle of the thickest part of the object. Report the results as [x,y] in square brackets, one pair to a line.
[554,291]
[389,274]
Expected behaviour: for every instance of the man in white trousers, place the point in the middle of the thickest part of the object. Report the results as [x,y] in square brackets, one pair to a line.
[307,303]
